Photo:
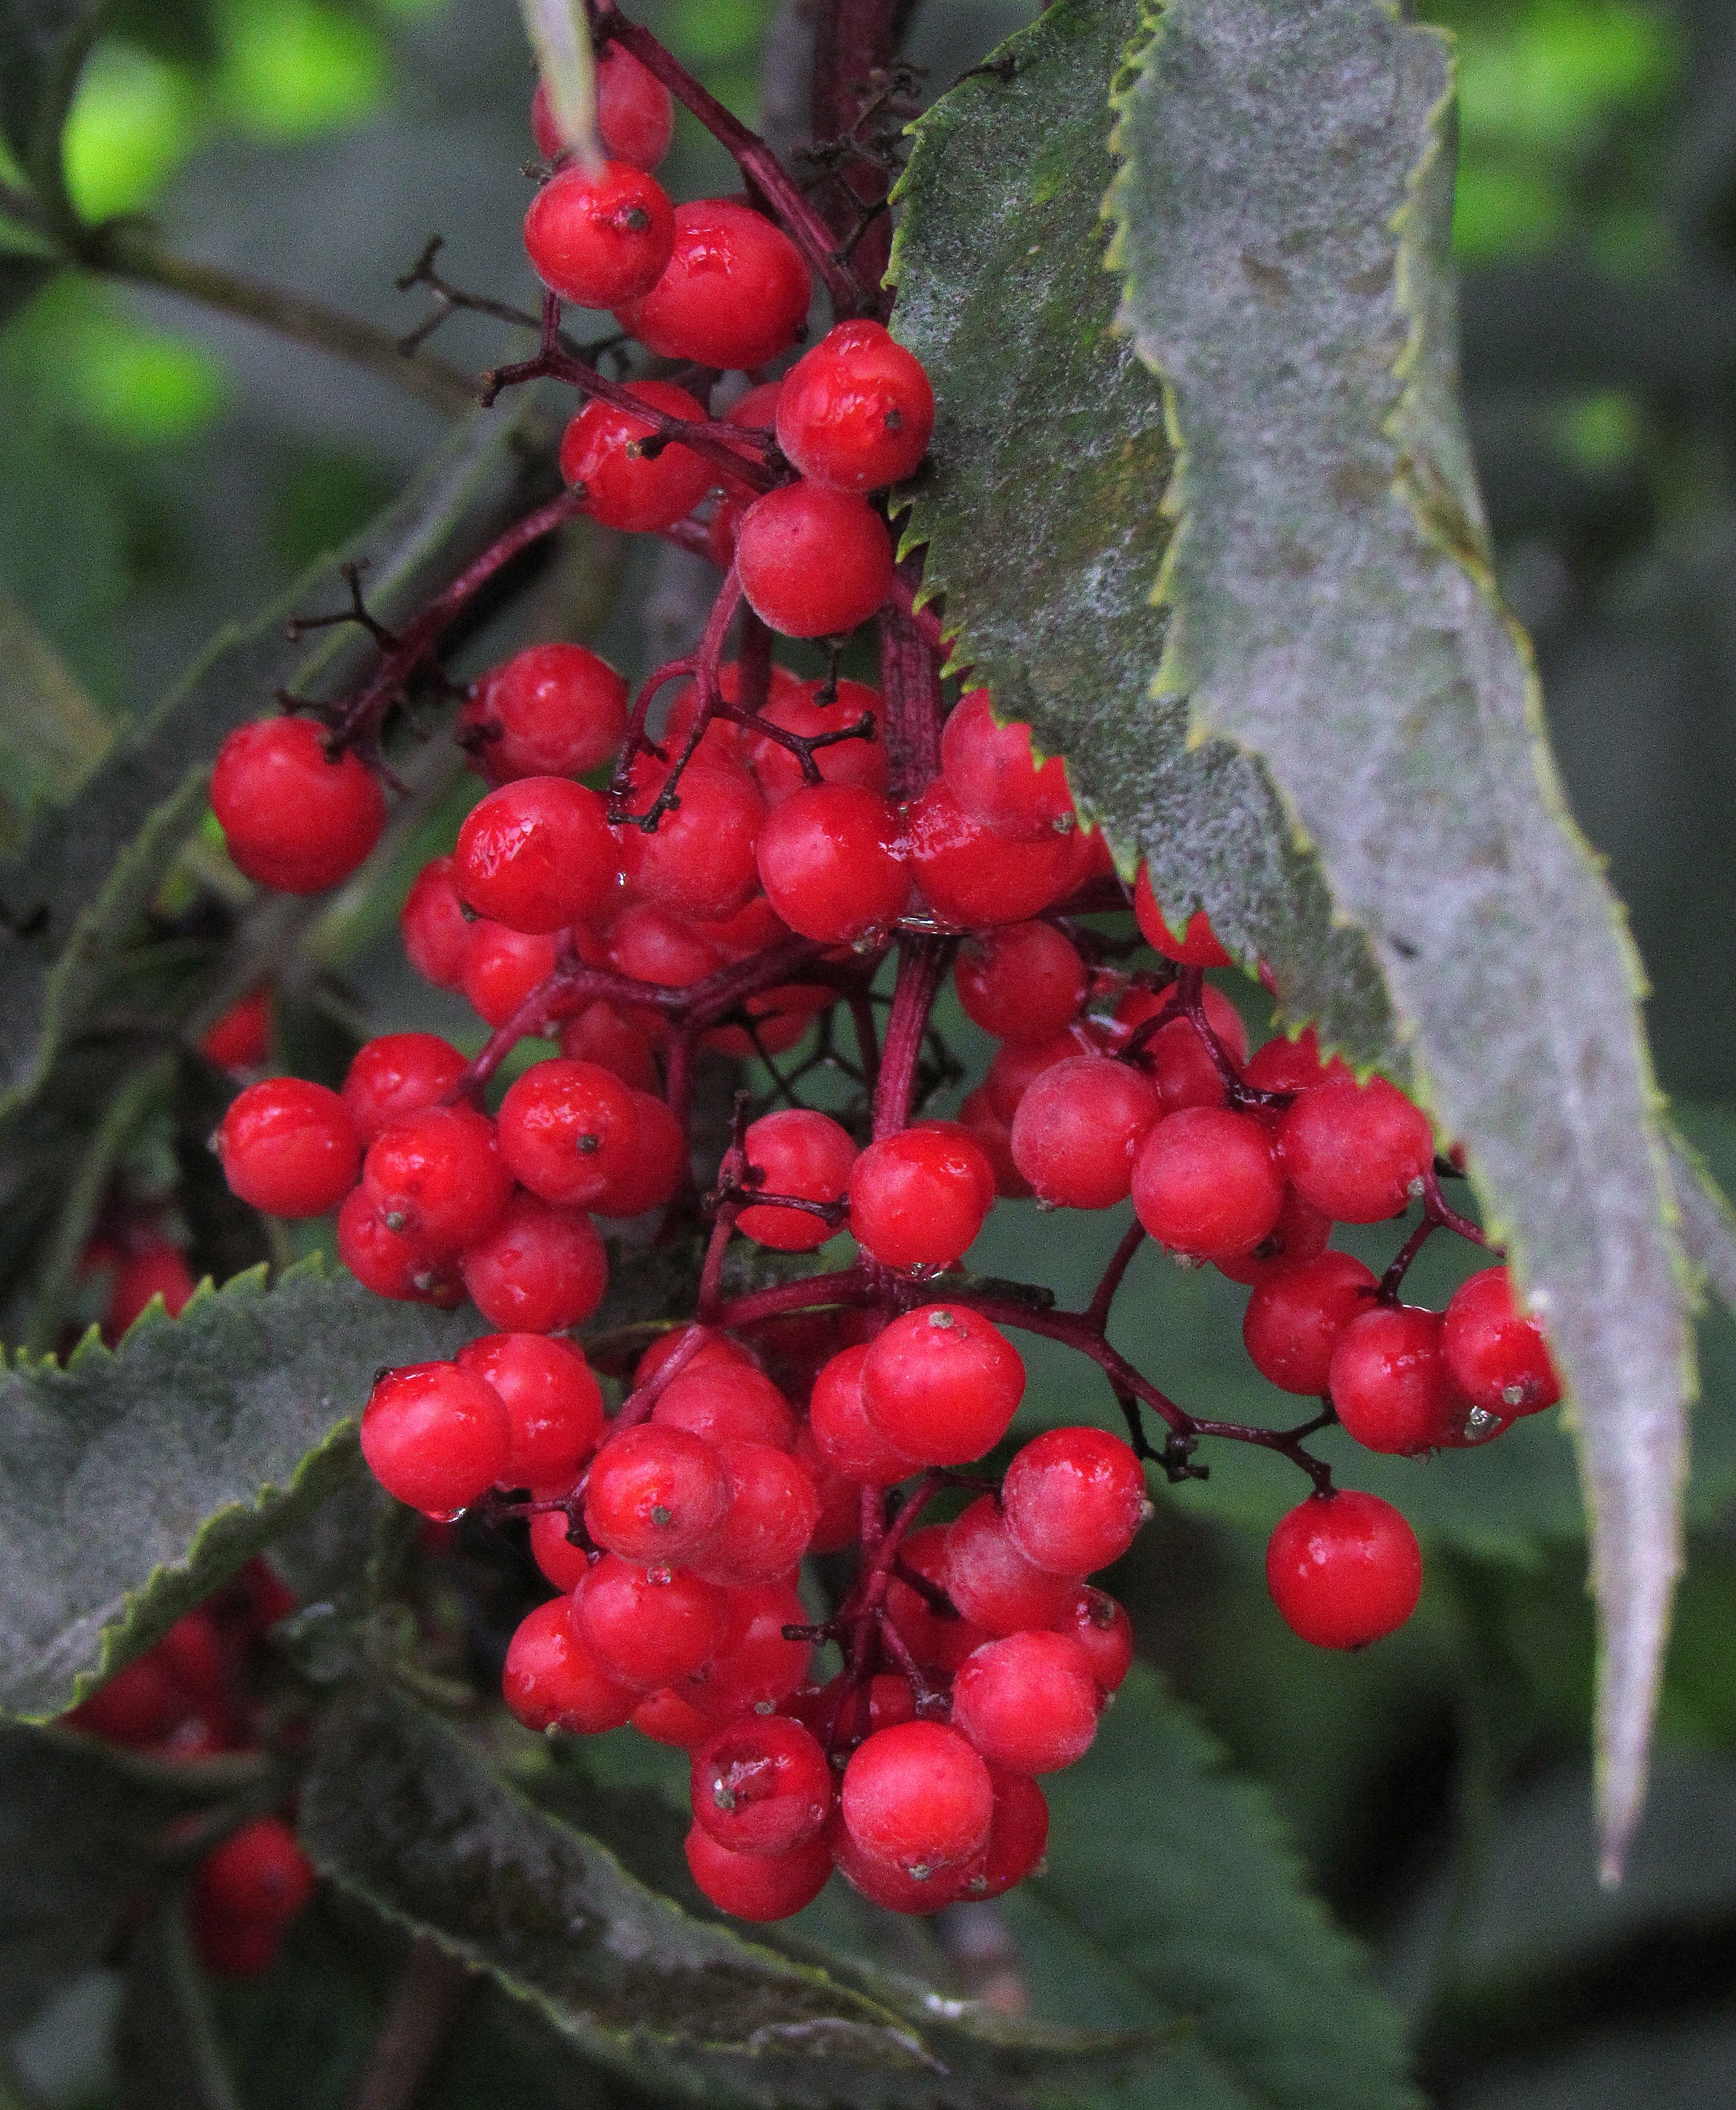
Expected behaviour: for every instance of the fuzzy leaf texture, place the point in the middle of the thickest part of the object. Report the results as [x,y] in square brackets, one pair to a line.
[400,1810]
[70,895]
[1282,222]
[1038,504]
[133,1482]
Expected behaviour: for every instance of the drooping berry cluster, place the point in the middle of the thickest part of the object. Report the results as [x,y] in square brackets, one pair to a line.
[768,852]
[192,1696]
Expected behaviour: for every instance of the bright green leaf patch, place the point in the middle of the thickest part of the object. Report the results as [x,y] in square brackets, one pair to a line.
[1040,502]
[133,1482]
[1282,223]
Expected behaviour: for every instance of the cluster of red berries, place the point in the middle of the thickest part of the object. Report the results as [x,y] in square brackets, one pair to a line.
[190,1697]
[776,839]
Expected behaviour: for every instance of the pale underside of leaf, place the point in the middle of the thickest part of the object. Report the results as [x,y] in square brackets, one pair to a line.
[1037,505]
[1282,222]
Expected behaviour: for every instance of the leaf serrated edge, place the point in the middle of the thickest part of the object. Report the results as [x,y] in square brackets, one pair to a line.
[1633,1627]
[621,2048]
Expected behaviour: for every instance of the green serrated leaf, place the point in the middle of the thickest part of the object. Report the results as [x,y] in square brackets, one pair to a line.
[1282,222]
[43,47]
[1169,1893]
[134,1481]
[68,898]
[399,1810]
[82,1832]
[22,277]
[1038,503]
[167,2053]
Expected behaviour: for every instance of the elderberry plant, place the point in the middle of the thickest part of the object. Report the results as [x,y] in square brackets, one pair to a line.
[689,1410]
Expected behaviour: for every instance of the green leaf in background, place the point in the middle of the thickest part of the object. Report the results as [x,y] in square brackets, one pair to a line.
[1039,502]
[68,898]
[1702,1154]
[401,1811]
[133,1482]
[1169,1894]
[167,2053]
[81,1833]
[42,45]
[52,735]
[1282,223]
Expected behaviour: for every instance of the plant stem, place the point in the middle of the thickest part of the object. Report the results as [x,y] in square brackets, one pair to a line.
[122,251]
[425,2007]
[922,966]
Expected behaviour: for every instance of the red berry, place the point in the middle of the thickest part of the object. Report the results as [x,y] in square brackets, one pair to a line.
[1389,1381]
[567,1130]
[602,1034]
[713,1350]
[918,1198]
[241,1039]
[259,1872]
[619,484]
[289,1148]
[651,945]
[539,1270]
[803,1154]
[994,1138]
[1357,1153]
[856,411]
[139,1703]
[156,1270]
[830,863]
[601,240]
[734,293]
[928,1622]
[648,1627]
[1207,1181]
[636,118]
[560,1561]
[772,1511]
[1498,1359]
[990,770]
[917,1796]
[885,1884]
[990,1580]
[659,1165]
[1025,981]
[537,855]
[1197,946]
[667,1717]
[1343,1570]
[390,1263]
[399,1075]
[503,966]
[813,563]
[699,860]
[194,1651]
[1029,1702]
[758,1886]
[973,877]
[1300,1233]
[724,1401]
[755,1667]
[438,1177]
[552,1681]
[1102,1628]
[1178,1057]
[1018,1833]
[1078,1129]
[1283,1065]
[1074,1500]
[1017,1063]
[293,819]
[233,1948]
[552,710]
[433,925]
[761,1785]
[553,1404]
[655,1493]
[943,1384]
[1295,1315]
[816,709]
[847,1439]
[436,1436]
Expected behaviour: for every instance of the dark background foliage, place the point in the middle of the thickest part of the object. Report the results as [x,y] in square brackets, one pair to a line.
[166,470]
